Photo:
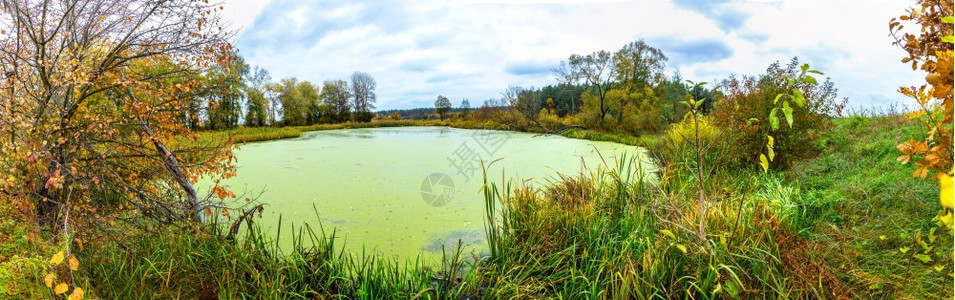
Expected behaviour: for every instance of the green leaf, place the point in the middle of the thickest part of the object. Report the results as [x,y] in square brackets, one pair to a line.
[804,67]
[815,72]
[771,141]
[668,233]
[809,79]
[904,249]
[788,112]
[948,19]
[751,120]
[764,163]
[773,120]
[799,98]
[923,258]
[948,39]
[772,154]
[777,98]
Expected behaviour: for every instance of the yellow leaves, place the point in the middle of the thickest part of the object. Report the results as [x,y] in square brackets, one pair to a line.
[74,264]
[76,295]
[57,258]
[48,280]
[947,220]
[60,288]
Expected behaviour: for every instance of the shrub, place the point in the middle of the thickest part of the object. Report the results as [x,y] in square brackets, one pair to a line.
[364,116]
[677,147]
[746,106]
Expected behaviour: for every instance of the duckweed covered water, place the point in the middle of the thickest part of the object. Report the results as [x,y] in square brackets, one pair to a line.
[400,192]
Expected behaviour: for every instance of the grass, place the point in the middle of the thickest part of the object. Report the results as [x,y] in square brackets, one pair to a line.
[850,223]
[205,264]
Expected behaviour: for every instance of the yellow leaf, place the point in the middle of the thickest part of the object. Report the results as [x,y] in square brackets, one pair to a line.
[57,258]
[77,294]
[74,264]
[48,280]
[945,185]
[60,288]
[763,162]
[947,220]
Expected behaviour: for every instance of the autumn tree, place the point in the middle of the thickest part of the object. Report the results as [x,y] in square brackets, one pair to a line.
[94,92]
[223,93]
[293,106]
[257,105]
[598,70]
[336,95]
[930,51]
[442,106]
[309,97]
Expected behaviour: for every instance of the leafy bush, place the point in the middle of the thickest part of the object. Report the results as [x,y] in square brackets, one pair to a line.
[364,116]
[677,148]
[748,101]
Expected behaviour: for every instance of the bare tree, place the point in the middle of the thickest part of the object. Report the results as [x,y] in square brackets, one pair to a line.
[363,91]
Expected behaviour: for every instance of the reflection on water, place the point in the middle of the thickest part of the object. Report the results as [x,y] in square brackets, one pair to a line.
[373,186]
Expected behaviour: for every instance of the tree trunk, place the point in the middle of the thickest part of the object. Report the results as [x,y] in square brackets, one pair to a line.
[171,164]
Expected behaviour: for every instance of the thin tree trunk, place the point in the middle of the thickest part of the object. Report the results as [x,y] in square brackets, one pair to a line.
[171,164]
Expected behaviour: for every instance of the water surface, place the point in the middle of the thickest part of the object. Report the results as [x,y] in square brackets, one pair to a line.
[405,190]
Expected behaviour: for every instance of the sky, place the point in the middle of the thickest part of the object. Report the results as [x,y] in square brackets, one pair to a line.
[474,49]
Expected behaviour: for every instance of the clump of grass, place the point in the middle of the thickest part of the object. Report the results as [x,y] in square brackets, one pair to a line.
[595,236]
[204,264]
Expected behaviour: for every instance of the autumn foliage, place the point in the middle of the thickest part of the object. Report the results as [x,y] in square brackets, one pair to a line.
[96,106]
[930,51]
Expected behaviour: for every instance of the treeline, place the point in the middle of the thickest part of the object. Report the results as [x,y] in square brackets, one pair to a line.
[237,94]
[626,92]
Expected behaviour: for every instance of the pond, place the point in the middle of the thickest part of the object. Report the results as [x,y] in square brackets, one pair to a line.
[401,191]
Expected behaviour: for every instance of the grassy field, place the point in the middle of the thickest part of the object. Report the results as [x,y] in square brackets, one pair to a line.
[849,223]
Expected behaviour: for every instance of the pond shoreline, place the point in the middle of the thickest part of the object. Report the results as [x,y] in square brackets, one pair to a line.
[260,134]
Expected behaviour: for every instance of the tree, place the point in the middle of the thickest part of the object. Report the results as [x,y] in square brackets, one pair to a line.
[336,95]
[363,91]
[93,91]
[223,94]
[310,101]
[597,69]
[272,91]
[293,107]
[638,65]
[257,105]
[441,106]
[930,51]
[465,107]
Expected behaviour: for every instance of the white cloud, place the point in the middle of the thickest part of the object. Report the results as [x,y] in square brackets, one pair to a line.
[476,48]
